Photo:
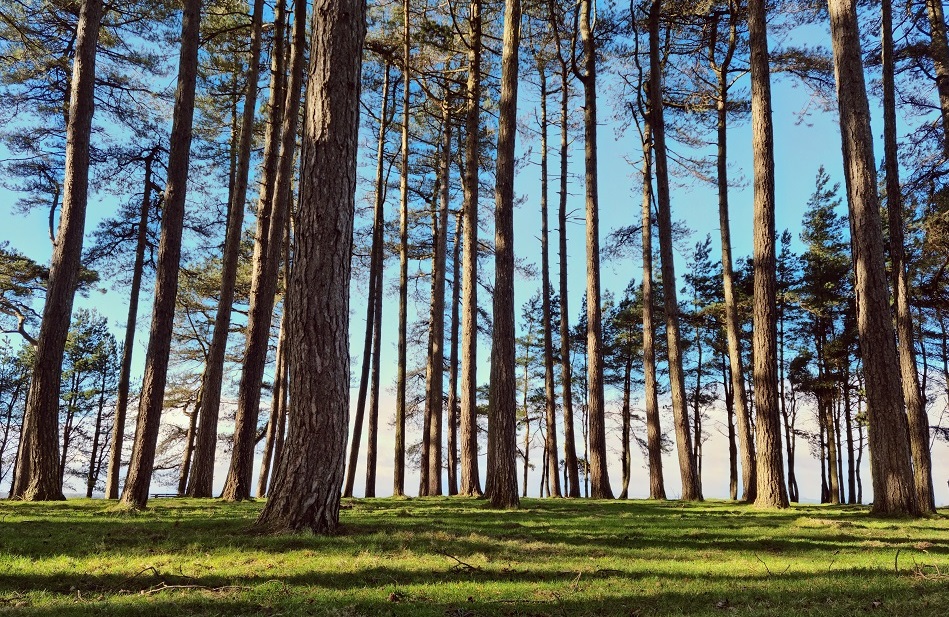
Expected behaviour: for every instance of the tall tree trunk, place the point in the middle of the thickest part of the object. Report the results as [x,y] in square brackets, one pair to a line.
[276,410]
[125,366]
[939,50]
[550,403]
[187,454]
[599,474]
[918,421]
[268,251]
[37,472]
[771,490]
[214,367]
[504,383]
[375,288]
[470,477]
[398,472]
[627,419]
[690,488]
[657,487]
[453,362]
[730,422]
[135,492]
[893,487]
[95,456]
[306,492]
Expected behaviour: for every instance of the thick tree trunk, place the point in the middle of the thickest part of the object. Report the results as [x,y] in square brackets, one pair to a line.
[375,288]
[214,367]
[893,488]
[939,50]
[690,489]
[398,471]
[915,404]
[37,472]
[504,383]
[135,492]
[771,490]
[306,492]
[599,474]
[125,366]
[550,403]
[470,477]
[268,251]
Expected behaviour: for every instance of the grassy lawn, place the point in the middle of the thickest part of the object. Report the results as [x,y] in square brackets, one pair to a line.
[457,558]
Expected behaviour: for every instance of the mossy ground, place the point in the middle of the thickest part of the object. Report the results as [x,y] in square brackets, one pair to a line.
[458,558]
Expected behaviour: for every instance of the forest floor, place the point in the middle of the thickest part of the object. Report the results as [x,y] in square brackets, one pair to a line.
[458,558]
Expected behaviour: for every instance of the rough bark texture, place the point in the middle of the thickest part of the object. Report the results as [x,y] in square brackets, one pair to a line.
[306,492]
[135,492]
[599,474]
[550,403]
[214,366]
[915,404]
[268,251]
[504,385]
[37,471]
[772,493]
[657,486]
[125,370]
[893,488]
[939,50]
[690,489]
[398,470]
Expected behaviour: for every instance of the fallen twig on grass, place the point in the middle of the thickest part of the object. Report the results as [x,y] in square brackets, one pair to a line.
[164,587]
[459,564]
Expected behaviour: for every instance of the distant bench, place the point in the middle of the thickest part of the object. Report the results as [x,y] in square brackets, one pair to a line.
[165,495]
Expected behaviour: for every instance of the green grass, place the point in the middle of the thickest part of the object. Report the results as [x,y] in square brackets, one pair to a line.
[457,558]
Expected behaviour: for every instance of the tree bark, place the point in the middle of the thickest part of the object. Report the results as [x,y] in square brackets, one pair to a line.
[893,487]
[939,50]
[37,471]
[453,362]
[470,476]
[276,410]
[135,492]
[268,251]
[771,490]
[690,489]
[306,492]
[918,420]
[504,385]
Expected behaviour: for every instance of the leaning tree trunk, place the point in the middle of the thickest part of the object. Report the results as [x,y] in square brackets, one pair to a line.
[772,492]
[267,256]
[504,385]
[135,492]
[893,487]
[214,366]
[470,477]
[915,405]
[599,474]
[398,470]
[37,472]
[306,492]
[125,366]
[939,50]
[550,403]
[690,488]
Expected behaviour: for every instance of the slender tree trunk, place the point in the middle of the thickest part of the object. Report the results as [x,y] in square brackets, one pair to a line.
[37,472]
[135,492]
[550,403]
[527,416]
[732,442]
[187,455]
[125,366]
[626,457]
[276,410]
[268,251]
[306,492]
[690,488]
[771,490]
[398,472]
[453,362]
[470,477]
[94,456]
[657,487]
[375,287]
[918,421]
[939,50]
[503,393]
[893,487]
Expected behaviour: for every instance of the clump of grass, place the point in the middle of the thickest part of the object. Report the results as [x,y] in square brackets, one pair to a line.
[455,557]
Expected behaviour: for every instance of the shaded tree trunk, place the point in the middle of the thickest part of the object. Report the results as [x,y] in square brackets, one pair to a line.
[135,492]
[453,362]
[939,50]
[307,487]
[276,410]
[37,470]
[893,487]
